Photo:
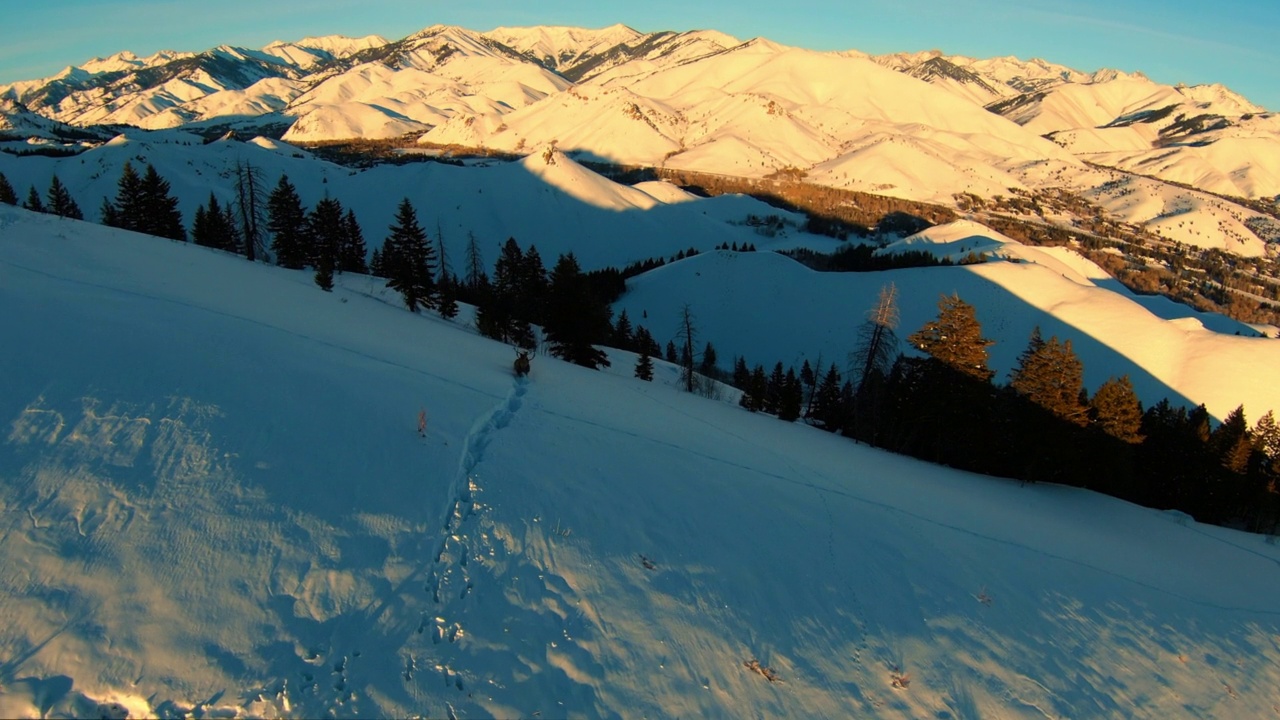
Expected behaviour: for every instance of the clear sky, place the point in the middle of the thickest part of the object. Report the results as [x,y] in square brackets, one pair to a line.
[1233,42]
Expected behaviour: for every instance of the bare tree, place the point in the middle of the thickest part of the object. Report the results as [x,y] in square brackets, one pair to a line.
[251,207]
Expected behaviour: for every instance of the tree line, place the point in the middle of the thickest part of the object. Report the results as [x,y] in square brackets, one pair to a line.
[1043,425]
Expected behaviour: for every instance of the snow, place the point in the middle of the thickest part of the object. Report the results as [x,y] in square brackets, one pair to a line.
[747,303]
[216,504]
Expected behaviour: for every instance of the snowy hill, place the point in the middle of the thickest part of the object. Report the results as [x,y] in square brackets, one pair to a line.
[224,509]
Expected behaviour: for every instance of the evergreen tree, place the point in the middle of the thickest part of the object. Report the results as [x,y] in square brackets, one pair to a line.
[129,209]
[671,355]
[1230,442]
[159,209]
[773,390]
[448,290]
[60,201]
[533,284]
[826,400]
[1116,410]
[809,384]
[792,397]
[758,389]
[1050,375]
[215,227]
[707,365]
[287,223]
[499,314]
[376,267]
[955,339]
[574,318]
[352,251]
[327,231]
[110,215]
[643,342]
[644,366]
[7,195]
[1266,441]
[34,203]
[406,254]
[622,333]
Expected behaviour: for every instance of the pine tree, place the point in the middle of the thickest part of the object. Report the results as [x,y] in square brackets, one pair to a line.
[128,210]
[160,215]
[326,229]
[532,287]
[671,355]
[60,201]
[955,339]
[773,390]
[406,254]
[826,400]
[34,203]
[214,227]
[7,195]
[498,314]
[1266,440]
[791,398]
[1230,442]
[352,251]
[622,333]
[574,318]
[1116,410]
[707,365]
[287,223]
[758,389]
[1050,375]
[644,367]
[448,290]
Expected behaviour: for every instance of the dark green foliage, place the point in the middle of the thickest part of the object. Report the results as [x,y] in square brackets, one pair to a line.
[707,365]
[160,215]
[790,398]
[643,341]
[575,319]
[7,195]
[671,355]
[408,258]
[352,250]
[448,290]
[500,313]
[326,228]
[127,211]
[215,227]
[34,203]
[644,367]
[60,201]
[287,223]
[143,204]
[623,334]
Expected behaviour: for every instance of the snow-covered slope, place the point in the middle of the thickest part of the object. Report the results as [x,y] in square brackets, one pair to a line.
[768,308]
[215,504]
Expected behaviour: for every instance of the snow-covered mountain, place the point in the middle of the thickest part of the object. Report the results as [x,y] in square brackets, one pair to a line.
[523,87]
[215,504]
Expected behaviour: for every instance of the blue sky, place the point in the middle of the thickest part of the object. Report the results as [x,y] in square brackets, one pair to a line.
[1228,41]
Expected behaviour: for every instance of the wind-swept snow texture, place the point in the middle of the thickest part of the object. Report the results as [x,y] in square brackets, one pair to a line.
[214,501]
